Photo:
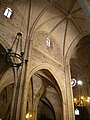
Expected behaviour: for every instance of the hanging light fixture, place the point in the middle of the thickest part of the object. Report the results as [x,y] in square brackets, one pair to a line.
[77,111]
[28,115]
[73,82]
[14,56]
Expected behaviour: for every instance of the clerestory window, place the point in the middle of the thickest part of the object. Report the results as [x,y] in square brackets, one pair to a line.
[8,12]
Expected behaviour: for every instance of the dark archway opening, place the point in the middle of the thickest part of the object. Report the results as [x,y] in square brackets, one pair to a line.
[3,65]
[45,110]
[83,113]
[80,71]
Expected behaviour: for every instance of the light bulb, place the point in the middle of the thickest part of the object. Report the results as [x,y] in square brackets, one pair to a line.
[82,97]
[27,115]
[30,115]
[79,82]
[88,98]
[75,99]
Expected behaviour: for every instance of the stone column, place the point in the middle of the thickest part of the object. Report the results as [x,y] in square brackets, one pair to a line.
[18,94]
[19,102]
[69,94]
[21,90]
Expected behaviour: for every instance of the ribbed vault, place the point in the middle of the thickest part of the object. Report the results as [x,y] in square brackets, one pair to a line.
[62,20]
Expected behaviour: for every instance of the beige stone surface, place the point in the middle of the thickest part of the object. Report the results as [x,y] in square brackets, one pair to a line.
[64,23]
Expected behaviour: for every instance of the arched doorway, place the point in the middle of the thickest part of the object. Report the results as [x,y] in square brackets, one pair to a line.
[44,99]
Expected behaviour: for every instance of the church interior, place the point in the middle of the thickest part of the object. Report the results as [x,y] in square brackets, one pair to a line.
[44,60]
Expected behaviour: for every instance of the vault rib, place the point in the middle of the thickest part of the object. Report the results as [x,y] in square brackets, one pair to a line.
[65,37]
[76,10]
[76,25]
[59,7]
[82,18]
[72,7]
[38,18]
[57,25]
[47,21]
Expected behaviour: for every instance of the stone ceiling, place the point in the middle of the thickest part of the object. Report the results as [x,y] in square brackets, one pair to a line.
[62,21]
